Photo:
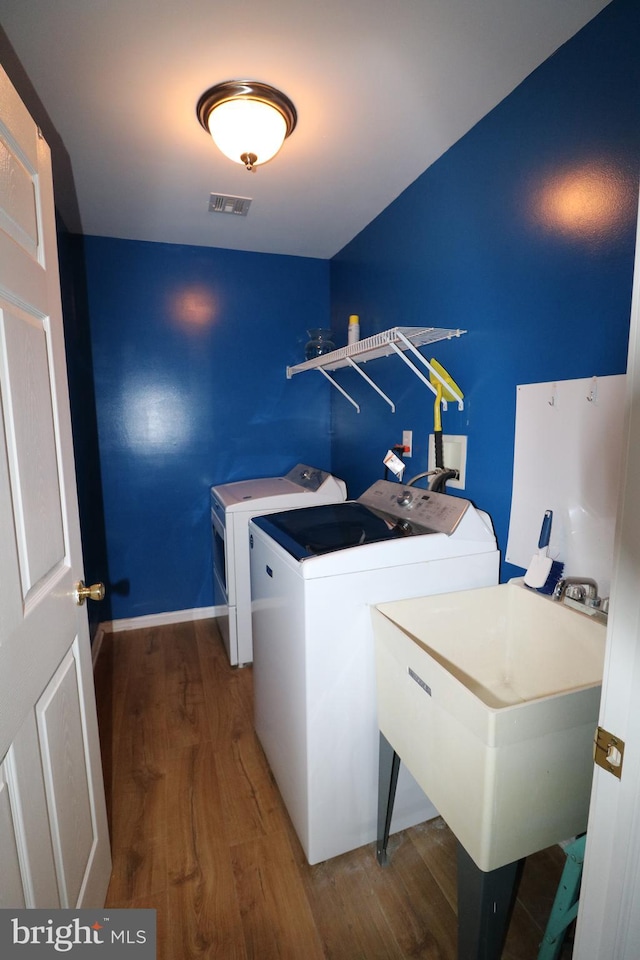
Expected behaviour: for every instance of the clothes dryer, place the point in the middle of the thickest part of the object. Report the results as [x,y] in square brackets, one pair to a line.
[232,506]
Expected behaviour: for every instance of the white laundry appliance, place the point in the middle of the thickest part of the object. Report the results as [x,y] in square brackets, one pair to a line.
[314,574]
[232,506]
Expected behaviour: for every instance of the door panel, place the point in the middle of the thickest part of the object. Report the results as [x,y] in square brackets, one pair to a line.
[31,818]
[18,217]
[31,444]
[11,889]
[62,741]
[10,588]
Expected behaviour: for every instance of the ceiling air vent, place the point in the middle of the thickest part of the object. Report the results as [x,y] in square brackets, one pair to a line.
[219,203]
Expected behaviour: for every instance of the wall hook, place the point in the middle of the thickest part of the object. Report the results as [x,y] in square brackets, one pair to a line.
[592,396]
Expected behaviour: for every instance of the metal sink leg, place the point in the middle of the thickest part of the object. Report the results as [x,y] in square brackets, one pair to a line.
[387,782]
[485,904]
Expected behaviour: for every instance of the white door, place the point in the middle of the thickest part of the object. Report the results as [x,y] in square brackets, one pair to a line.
[609,913]
[54,846]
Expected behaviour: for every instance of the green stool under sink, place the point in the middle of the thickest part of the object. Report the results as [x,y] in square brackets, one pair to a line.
[565,905]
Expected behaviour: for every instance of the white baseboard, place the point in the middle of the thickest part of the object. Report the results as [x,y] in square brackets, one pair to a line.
[151,620]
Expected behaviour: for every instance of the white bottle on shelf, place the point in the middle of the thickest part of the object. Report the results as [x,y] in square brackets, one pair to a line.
[353,334]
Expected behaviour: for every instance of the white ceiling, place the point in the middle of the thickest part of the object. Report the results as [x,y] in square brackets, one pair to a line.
[382,89]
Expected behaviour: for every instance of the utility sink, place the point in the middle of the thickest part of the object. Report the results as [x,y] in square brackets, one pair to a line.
[491,697]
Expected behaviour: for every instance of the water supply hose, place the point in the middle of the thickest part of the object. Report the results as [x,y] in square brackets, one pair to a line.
[439,482]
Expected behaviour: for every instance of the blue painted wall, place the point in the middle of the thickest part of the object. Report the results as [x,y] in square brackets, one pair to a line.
[189,350]
[523,235]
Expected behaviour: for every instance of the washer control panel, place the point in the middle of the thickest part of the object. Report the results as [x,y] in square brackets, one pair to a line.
[414,509]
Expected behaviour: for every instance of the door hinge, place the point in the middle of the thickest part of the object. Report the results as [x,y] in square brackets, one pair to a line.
[608,752]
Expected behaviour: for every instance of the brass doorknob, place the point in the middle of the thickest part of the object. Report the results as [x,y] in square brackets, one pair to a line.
[94,592]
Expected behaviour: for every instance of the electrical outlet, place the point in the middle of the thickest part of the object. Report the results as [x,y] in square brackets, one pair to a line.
[407,442]
[454,450]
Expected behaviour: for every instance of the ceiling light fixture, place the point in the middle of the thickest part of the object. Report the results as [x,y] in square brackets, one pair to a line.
[249,121]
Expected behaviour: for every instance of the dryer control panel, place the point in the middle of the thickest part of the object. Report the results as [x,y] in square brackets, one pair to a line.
[418,511]
[309,478]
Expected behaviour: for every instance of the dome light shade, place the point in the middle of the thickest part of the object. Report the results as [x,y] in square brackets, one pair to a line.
[247,126]
[248,121]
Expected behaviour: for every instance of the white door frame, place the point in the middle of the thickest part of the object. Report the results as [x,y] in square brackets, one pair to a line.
[609,915]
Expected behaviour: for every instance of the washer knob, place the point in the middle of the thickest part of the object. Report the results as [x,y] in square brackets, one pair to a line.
[405,498]
[403,526]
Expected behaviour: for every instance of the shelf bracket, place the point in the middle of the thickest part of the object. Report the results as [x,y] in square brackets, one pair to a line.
[409,346]
[338,387]
[375,386]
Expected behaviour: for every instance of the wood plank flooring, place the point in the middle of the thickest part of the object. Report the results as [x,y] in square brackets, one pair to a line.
[199,831]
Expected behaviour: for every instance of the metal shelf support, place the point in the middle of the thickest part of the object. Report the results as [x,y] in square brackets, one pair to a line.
[432,370]
[372,384]
[338,387]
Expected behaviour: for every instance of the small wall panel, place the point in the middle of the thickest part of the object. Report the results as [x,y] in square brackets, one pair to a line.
[568,458]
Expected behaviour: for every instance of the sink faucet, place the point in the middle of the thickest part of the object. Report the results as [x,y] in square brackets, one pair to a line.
[586,590]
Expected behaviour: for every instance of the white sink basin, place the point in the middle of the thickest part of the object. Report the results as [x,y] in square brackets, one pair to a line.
[491,699]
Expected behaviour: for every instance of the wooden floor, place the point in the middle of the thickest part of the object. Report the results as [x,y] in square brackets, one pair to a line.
[199,831]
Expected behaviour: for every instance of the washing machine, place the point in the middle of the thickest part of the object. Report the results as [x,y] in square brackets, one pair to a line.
[315,572]
[232,506]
